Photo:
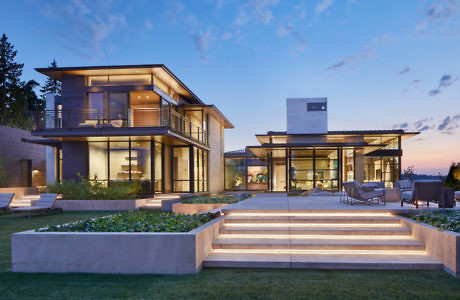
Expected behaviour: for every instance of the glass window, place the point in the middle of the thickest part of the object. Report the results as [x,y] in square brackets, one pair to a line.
[348,165]
[95,105]
[326,172]
[118,106]
[181,169]
[120,161]
[257,178]
[301,170]
[158,167]
[98,80]
[98,154]
[235,173]
[141,163]
[130,79]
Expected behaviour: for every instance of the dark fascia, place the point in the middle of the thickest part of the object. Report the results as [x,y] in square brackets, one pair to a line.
[239,153]
[42,70]
[289,145]
[339,132]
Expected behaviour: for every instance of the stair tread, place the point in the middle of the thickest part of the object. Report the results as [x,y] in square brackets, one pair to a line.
[271,241]
[325,228]
[311,217]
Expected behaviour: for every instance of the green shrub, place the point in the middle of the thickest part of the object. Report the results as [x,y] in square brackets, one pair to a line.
[85,189]
[216,199]
[443,219]
[135,221]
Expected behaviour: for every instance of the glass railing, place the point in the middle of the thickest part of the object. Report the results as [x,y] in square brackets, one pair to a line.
[118,118]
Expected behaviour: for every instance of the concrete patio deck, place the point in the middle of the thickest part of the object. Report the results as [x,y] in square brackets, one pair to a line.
[277,202]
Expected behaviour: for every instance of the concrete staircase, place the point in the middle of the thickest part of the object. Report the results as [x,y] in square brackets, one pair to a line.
[321,240]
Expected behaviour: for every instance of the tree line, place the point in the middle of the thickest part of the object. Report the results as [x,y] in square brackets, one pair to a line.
[18,98]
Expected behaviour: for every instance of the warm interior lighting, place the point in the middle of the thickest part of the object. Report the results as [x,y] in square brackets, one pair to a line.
[292,214]
[319,251]
[312,225]
[315,237]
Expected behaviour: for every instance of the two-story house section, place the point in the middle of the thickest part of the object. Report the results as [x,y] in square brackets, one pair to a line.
[132,123]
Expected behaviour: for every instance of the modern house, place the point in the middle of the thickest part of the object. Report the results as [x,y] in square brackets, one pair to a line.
[307,155]
[131,123]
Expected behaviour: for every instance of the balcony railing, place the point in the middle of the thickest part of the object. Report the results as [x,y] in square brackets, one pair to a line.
[118,118]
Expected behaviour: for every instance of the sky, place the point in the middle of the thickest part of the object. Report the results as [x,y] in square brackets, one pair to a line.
[382,64]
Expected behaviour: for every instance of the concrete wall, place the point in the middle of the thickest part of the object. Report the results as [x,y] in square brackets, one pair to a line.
[359,167]
[299,120]
[443,246]
[74,159]
[115,205]
[216,156]
[14,151]
[113,252]
[194,208]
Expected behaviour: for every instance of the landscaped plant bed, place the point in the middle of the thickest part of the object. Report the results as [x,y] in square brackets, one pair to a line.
[135,221]
[134,242]
[202,204]
[442,219]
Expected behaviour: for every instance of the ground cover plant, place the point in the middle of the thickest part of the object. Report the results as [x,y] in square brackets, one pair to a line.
[85,189]
[212,283]
[220,199]
[134,221]
[443,219]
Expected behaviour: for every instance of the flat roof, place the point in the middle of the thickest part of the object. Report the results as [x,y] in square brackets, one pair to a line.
[57,73]
[346,132]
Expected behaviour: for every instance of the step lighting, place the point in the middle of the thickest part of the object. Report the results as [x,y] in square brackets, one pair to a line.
[325,225]
[318,251]
[315,237]
[292,214]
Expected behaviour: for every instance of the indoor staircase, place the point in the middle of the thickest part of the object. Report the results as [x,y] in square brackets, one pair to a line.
[321,240]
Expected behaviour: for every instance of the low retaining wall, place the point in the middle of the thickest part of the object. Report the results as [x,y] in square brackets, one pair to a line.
[113,252]
[20,191]
[68,205]
[442,245]
[193,208]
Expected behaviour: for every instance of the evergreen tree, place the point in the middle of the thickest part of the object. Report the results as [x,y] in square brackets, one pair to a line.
[10,82]
[52,86]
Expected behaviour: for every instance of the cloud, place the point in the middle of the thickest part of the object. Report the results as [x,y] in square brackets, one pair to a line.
[202,40]
[449,124]
[174,11]
[420,125]
[404,71]
[257,10]
[289,30]
[416,81]
[367,52]
[436,12]
[148,25]
[401,126]
[445,81]
[321,6]
[226,35]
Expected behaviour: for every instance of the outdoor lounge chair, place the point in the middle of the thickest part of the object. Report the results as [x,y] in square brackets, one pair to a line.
[5,200]
[423,190]
[362,194]
[46,202]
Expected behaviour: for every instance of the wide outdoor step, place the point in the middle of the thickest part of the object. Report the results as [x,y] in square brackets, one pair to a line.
[312,219]
[316,230]
[322,261]
[317,244]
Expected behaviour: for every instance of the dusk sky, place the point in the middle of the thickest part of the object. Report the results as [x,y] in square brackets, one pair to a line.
[381,64]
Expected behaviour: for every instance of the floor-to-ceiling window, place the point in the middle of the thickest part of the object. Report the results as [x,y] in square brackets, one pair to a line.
[235,174]
[200,170]
[181,169]
[348,165]
[116,162]
[301,170]
[381,168]
[326,169]
[257,174]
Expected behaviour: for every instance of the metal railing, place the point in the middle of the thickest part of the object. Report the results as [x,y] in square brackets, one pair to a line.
[117,118]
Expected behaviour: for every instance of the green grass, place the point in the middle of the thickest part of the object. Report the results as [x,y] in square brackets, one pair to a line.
[212,283]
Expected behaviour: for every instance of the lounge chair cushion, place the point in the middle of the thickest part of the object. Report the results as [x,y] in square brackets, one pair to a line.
[6,199]
[406,195]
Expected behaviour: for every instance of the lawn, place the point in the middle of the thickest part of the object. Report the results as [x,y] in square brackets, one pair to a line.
[212,283]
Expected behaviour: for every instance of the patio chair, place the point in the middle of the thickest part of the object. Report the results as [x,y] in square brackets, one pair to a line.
[362,194]
[403,185]
[46,202]
[423,190]
[5,200]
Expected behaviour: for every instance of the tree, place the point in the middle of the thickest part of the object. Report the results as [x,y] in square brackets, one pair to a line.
[10,73]
[51,86]
[409,172]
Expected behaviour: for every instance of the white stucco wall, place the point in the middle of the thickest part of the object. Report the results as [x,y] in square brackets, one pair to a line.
[216,156]
[299,120]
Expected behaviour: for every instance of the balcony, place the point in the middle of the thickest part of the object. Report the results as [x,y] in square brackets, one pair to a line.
[99,119]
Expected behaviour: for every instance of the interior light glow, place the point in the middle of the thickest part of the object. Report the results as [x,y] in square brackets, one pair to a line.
[315,237]
[292,214]
[325,225]
[319,251]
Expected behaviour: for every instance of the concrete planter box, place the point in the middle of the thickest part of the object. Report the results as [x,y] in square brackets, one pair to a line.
[116,205]
[190,208]
[442,245]
[113,252]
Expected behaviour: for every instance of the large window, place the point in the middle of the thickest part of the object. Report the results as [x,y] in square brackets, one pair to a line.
[348,165]
[381,168]
[235,174]
[105,80]
[98,154]
[200,170]
[257,174]
[326,172]
[301,170]
[181,169]
[158,168]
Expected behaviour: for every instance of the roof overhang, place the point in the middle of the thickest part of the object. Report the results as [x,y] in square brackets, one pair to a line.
[214,112]
[159,70]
